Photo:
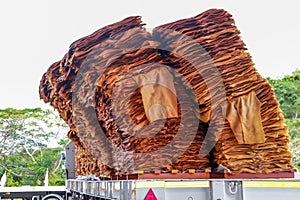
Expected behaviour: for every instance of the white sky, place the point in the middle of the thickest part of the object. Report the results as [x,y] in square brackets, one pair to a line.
[36,33]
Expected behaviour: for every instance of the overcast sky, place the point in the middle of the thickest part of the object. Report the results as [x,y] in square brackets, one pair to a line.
[36,33]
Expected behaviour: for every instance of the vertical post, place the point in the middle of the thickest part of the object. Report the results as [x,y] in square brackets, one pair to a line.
[109,189]
[123,190]
[46,181]
[127,190]
[70,161]
[226,190]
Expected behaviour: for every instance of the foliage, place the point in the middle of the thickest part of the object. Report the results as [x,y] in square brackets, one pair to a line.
[25,136]
[22,171]
[287,90]
[27,129]
[58,177]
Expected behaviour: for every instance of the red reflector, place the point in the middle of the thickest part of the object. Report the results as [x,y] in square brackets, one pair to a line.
[150,195]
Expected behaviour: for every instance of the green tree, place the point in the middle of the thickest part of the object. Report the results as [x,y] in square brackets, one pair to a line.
[287,90]
[25,136]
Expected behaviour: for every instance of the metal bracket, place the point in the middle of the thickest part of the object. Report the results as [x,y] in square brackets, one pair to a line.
[226,190]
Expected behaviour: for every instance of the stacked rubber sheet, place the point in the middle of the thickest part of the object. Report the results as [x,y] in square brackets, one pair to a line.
[186,96]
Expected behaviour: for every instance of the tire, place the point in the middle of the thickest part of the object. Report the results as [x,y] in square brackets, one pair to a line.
[52,197]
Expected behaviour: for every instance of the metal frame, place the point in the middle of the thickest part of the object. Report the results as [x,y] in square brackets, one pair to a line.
[70,160]
[226,190]
[186,189]
[192,185]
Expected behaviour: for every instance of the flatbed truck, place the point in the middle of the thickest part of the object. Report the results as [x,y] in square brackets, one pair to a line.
[192,185]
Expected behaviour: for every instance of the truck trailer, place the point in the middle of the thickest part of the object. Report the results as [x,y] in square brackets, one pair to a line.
[163,185]
[192,185]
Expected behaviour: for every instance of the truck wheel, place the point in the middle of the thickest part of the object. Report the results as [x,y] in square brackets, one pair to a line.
[52,197]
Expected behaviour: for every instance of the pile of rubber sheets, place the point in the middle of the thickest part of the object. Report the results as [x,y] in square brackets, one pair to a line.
[184,96]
